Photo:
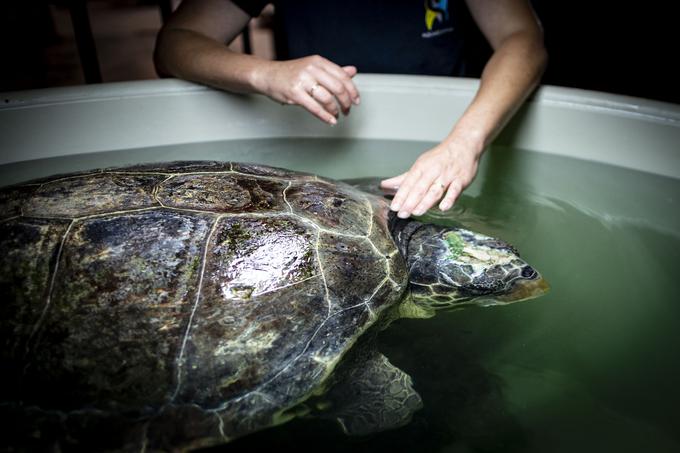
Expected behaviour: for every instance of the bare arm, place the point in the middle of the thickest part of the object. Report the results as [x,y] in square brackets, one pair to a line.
[191,46]
[512,72]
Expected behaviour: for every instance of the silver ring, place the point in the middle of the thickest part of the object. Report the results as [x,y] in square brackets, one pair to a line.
[440,184]
[311,91]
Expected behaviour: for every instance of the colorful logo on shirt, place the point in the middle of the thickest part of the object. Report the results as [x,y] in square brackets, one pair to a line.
[436,18]
[436,10]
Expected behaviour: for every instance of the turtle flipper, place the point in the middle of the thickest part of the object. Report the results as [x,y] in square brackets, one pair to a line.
[371,395]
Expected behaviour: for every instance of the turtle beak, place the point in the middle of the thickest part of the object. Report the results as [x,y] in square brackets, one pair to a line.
[525,289]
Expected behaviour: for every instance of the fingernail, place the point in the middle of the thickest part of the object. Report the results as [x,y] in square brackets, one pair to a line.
[403,215]
[419,212]
[357,100]
[395,206]
[444,205]
[333,121]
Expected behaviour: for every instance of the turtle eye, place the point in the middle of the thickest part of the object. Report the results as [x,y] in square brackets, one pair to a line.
[529,272]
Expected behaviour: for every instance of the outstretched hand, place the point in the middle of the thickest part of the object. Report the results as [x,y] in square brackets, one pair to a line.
[438,175]
[315,83]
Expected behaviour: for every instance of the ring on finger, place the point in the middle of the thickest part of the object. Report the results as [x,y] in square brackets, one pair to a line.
[314,87]
[440,184]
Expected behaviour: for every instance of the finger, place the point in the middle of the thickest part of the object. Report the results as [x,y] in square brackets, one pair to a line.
[325,98]
[393,183]
[451,196]
[335,86]
[303,98]
[345,74]
[433,194]
[404,188]
[351,71]
[342,75]
[415,195]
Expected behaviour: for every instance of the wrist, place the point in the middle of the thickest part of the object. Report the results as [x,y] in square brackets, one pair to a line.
[258,75]
[469,141]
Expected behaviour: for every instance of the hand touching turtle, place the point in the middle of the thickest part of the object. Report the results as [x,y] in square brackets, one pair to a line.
[438,175]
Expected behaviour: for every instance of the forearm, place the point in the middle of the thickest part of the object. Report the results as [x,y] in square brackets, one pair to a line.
[511,74]
[187,54]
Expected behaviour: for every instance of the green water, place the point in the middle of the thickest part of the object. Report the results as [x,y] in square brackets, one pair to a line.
[592,366]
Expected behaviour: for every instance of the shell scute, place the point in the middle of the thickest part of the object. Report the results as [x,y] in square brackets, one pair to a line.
[92,194]
[335,207]
[222,192]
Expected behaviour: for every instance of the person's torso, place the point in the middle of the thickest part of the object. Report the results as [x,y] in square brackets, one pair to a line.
[379,36]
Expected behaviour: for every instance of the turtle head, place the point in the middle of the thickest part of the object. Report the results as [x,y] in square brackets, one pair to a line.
[453,267]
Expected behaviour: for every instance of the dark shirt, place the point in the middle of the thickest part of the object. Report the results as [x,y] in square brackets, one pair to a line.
[378,36]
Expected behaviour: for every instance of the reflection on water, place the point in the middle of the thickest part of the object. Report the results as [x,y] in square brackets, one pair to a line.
[592,366]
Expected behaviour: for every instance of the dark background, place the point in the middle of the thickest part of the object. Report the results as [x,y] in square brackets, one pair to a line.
[604,45]
[599,45]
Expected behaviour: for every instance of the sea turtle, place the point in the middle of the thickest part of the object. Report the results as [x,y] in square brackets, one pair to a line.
[181,305]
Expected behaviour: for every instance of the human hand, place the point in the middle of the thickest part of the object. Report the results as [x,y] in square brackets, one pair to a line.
[315,83]
[441,173]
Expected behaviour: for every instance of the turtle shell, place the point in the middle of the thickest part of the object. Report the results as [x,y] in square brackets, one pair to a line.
[185,304]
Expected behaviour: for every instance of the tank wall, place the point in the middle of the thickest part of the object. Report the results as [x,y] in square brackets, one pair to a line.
[629,132]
